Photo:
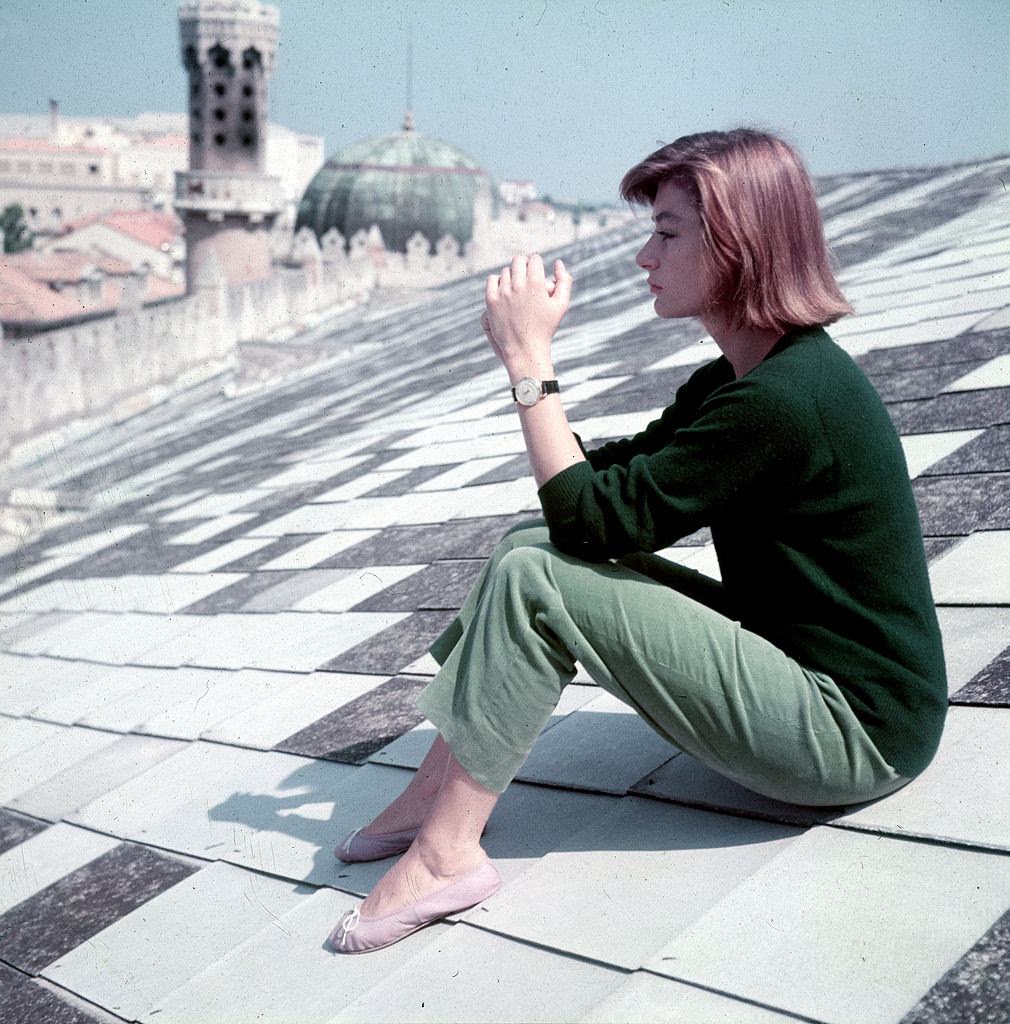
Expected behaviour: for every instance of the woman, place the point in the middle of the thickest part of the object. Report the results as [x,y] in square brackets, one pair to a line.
[814,672]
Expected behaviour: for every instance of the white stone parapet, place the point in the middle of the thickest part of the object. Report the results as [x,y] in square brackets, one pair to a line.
[226,192]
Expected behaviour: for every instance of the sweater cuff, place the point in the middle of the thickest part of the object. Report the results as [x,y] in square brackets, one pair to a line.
[559,496]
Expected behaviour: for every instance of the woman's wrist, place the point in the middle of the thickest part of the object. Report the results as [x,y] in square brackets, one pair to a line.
[540,369]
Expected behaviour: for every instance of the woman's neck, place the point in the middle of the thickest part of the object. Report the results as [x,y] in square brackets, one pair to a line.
[744,347]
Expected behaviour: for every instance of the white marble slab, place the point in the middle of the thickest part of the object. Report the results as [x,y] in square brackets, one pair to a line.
[211,528]
[993,374]
[137,961]
[647,999]
[224,554]
[30,685]
[360,485]
[704,350]
[622,887]
[972,638]
[316,471]
[963,796]
[287,973]
[975,571]
[310,554]
[104,636]
[842,926]
[472,975]
[213,505]
[90,544]
[923,450]
[296,700]
[161,594]
[85,780]
[59,749]
[357,586]
[604,746]
[45,858]
[461,475]
[28,574]
[616,425]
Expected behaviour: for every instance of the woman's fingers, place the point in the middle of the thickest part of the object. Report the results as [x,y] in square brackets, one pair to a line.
[562,293]
[519,270]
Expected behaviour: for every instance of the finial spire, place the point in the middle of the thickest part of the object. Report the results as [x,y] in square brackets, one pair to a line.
[408,117]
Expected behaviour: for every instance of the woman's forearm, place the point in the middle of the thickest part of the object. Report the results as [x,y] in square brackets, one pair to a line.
[550,443]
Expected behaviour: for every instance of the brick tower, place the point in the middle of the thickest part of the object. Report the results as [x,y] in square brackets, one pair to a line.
[226,201]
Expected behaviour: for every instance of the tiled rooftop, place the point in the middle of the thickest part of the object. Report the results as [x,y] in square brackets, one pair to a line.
[209,673]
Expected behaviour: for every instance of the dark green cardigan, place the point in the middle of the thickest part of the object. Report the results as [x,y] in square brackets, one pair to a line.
[799,472]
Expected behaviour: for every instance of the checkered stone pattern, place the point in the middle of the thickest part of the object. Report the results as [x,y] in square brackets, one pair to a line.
[211,656]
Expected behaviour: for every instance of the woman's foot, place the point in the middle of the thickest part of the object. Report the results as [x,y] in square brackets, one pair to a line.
[420,872]
[408,811]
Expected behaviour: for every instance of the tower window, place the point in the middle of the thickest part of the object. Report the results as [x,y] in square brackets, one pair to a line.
[220,57]
[219,138]
[220,88]
[247,114]
[219,113]
[196,89]
[248,140]
[247,90]
[196,112]
[197,138]
[252,59]
[189,59]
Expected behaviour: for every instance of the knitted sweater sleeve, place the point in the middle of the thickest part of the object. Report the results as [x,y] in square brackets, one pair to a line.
[744,452]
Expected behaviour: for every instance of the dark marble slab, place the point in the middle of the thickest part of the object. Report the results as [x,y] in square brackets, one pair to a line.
[991,687]
[987,453]
[937,546]
[254,560]
[388,652]
[46,926]
[514,469]
[926,382]
[15,829]
[419,545]
[958,410]
[975,990]
[975,348]
[408,482]
[959,505]
[25,1001]
[443,585]
[355,731]
[234,597]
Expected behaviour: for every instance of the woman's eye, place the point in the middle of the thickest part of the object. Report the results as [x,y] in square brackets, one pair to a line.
[664,234]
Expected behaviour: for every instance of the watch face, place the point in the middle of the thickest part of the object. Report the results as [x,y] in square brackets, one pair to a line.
[527,391]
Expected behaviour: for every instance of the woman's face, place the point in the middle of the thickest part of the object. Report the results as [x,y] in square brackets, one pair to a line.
[672,255]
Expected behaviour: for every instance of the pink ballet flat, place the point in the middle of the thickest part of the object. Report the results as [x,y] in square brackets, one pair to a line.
[357,934]
[357,847]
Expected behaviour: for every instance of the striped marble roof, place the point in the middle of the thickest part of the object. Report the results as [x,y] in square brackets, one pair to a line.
[209,663]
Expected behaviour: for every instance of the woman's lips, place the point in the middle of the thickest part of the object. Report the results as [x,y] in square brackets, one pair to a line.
[654,288]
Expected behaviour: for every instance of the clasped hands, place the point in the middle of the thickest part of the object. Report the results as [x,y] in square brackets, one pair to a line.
[522,312]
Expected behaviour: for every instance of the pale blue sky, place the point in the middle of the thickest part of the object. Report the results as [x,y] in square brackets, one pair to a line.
[569,93]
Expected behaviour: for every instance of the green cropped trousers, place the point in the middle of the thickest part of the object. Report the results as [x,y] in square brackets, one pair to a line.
[660,638]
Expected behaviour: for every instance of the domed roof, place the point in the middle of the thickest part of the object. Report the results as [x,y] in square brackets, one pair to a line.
[404,182]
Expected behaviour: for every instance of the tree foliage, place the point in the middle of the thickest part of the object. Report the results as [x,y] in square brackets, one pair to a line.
[15,229]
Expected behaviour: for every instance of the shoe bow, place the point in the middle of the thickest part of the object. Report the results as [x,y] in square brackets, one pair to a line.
[349,923]
[350,839]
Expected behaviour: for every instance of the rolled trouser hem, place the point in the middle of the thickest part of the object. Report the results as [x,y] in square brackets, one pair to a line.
[493,768]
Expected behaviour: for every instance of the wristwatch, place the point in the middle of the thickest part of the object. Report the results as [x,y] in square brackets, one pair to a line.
[528,390]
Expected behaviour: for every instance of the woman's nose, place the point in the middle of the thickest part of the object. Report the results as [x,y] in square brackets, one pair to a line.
[644,258]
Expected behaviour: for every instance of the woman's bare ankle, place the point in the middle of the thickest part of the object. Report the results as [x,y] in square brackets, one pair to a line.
[408,810]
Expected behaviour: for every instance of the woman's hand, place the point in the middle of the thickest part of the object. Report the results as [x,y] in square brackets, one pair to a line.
[523,312]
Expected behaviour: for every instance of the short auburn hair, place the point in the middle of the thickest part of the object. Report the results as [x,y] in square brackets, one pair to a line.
[766,261]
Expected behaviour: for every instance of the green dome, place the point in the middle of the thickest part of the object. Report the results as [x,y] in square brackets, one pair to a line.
[404,182]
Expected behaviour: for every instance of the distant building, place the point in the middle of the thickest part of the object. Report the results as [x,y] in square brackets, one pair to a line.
[44,291]
[64,168]
[515,192]
[402,183]
[136,237]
